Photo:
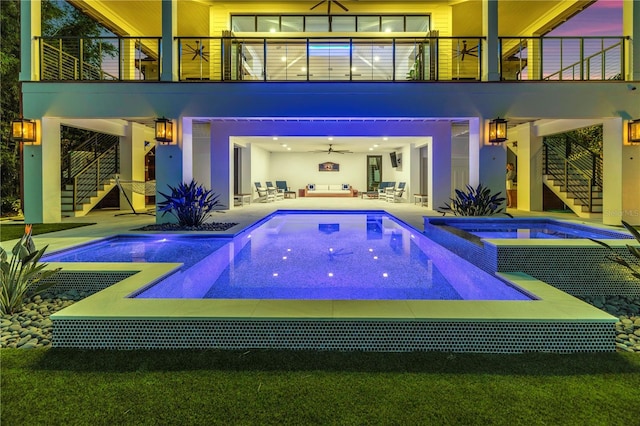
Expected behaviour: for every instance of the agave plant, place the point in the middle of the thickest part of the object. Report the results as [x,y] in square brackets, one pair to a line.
[21,274]
[635,251]
[190,203]
[475,202]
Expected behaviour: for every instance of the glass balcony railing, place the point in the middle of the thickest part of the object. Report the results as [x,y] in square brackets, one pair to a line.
[332,58]
[329,59]
[562,58]
[99,58]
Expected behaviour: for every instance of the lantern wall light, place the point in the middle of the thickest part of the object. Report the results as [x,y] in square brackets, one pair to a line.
[497,130]
[164,130]
[23,130]
[634,131]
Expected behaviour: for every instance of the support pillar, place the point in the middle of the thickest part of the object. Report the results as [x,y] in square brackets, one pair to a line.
[132,164]
[169,169]
[490,70]
[169,71]
[440,166]
[631,27]
[621,175]
[529,168]
[221,162]
[42,181]
[487,161]
[30,28]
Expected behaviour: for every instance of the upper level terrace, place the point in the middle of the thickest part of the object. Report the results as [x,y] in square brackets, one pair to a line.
[431,58]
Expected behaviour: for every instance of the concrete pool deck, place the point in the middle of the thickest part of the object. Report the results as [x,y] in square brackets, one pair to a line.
[556,322]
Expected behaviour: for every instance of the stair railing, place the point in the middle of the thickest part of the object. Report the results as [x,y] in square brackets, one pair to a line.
[91,177]
[571,168]
[72,163]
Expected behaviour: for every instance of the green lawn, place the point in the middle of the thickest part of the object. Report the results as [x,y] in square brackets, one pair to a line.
[57,386]
[11,231]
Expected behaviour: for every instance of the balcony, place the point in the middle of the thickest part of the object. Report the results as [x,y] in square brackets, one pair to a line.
[380,59]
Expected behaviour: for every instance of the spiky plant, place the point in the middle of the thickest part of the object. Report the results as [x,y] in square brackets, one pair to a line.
[22,272]
[634,268]
[475,202]
[190,203]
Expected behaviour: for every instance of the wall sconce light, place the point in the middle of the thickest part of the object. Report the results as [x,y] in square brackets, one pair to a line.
[23,130]
[634,131]
[164,130]
[498,130]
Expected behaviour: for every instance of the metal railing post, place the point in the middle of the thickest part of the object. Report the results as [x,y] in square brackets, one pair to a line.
[581,58]
[75,192]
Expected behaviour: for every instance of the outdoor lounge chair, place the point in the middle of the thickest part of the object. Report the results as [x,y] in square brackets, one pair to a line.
[383,187]
[264,195]
[278,194]
[394,194]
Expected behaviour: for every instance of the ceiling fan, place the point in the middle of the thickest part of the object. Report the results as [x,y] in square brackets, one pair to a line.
[334,151]
[328,2]
[198,51]
[470,51]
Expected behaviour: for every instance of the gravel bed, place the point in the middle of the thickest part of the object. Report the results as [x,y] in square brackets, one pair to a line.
[31,327]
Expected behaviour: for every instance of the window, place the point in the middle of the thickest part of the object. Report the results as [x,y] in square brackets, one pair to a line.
[345,24]
[268,24]
[317,24]
[292,24]
[392,24]
[368,24]
[334,23]
[417,24]
[243,23]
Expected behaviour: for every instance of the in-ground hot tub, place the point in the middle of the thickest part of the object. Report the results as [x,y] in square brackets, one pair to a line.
[555,251]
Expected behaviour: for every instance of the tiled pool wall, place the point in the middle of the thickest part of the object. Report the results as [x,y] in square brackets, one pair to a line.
[89,281]
[343,335]
[579,268]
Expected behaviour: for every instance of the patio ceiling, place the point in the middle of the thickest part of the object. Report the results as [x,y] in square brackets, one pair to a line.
[516,17]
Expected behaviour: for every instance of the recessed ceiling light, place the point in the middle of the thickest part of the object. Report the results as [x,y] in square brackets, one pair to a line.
[330,138]
[272,30]
[303,69]
[288,149]
[354,69]
[376,145]
[275,138]
[284,145]
[283,59]
[385,138]
[376,58]
[370,149]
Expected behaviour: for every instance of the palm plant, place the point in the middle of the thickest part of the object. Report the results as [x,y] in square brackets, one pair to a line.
[190,203]
[634,268]
[20,275]
[475,202]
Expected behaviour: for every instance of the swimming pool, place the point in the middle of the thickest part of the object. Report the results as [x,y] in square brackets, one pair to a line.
[346,256]
[113,319]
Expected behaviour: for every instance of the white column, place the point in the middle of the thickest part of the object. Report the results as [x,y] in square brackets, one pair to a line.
[169,31]
[612,172]
[490,70]
[621,176]
[529,167]
[439,165]
[30,27]
[202,154]
[168,173]
[221,163]
[132,164]
[42,181]
[487,162]
[631,27]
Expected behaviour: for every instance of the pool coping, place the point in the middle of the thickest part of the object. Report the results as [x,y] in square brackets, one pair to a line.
[113,303]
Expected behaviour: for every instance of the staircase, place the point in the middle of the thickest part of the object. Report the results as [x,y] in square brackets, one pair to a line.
[574,174]
[88,174]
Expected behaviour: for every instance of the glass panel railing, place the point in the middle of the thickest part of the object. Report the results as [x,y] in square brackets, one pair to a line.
[562,58]
[99,58]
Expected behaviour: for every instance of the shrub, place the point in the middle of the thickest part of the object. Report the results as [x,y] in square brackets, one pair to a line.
[191,204]
[475,202]
[635,251]
[9,206]
[21,274]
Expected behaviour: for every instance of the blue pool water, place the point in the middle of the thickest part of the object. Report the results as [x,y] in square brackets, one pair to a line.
[339,256]
[529,229]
